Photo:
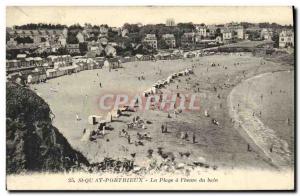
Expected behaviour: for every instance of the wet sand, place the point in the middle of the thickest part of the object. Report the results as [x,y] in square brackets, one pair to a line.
[263,106]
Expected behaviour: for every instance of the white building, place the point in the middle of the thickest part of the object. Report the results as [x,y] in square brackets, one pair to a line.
[286,39]
[202,30]
[266,34]
[151,40]
[227,35]
[169,40]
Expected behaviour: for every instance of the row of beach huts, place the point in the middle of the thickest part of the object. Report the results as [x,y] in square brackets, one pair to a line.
[36,69]
[161,83]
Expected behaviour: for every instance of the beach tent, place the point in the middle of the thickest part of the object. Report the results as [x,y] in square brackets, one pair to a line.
[102,124]
[115,113]
[51,73]
[169,78]
[94,119]
[139,56]
[153,90]
[109,117]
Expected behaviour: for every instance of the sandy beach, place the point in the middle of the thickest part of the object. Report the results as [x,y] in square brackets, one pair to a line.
[221,146]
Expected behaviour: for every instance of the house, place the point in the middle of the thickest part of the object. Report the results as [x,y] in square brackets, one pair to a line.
[151,40]
[59,61]
[80,37]
[100,61]
[62,41]
[73,48]
[11,64]
[51,73]
[239,32]
[22,59]
[128,59]
[201,30]
[29,61]
[124,32]
[187,39]
[211,30]
[219,40]
[21,56]
[103,31]
[36,39]
[94,49]
[189,55]
[103,41]
[286,39]
[112,63]
[65,32]
[227,35]
[247,36]
[11,42]
[38,75]
[38,61]
[67,59]
[266,34]
[169,40]
[110,51]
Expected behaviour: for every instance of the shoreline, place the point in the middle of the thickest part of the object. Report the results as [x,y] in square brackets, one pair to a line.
[259,136]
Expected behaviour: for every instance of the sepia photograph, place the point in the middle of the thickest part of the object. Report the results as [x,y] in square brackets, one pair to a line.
[197,98]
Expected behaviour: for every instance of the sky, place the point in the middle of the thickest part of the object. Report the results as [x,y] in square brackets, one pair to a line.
[117,16]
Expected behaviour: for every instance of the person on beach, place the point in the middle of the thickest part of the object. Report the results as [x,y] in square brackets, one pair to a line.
[129,139]
[271,148]
[194,138]
[248,148]
[186,136]
[169,116]
[162,128]
[182,135]
[77,117]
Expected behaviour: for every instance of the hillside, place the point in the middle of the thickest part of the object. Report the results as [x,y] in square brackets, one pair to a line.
[32,143]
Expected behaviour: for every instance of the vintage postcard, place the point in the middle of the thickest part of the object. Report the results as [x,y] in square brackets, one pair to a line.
[150,98]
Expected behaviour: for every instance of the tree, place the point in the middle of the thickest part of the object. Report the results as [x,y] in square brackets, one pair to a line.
[24,40]
[189,27]
[7,37]
[275,38]
[132,28]
[83,48]
[162,44]
[72,39]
